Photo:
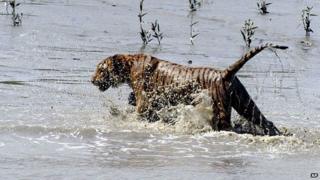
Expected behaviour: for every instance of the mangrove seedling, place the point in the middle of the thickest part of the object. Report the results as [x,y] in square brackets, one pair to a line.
[7,4]
[192,32]
[155,27]
[144,34]
[248,31]
[306,13]
[16,17]
[194,4]
[262,5]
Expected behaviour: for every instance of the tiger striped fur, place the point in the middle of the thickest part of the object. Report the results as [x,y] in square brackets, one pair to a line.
[144,73]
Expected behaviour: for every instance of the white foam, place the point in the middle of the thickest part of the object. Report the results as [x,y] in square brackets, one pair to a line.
[188,119]
[194,121]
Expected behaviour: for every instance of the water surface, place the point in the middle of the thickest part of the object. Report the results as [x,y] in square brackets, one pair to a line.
[54,124]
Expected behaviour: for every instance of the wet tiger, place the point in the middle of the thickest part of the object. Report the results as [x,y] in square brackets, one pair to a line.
[144,73]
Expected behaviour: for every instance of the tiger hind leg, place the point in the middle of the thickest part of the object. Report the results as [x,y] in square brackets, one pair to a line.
[245,106]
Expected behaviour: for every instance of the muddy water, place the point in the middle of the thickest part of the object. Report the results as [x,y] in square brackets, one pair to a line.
[54,124]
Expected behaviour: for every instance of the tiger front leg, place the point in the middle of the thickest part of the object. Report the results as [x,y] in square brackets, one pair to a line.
[221,119]
[138,96]
[141,102]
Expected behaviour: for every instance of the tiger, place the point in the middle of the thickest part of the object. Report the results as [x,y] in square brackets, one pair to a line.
[144,73]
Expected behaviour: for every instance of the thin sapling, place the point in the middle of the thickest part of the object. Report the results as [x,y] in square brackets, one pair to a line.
[263,6]
[306,20]
[248,31]
[155,27]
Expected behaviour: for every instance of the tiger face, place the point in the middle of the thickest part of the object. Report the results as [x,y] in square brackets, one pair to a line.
[108,74]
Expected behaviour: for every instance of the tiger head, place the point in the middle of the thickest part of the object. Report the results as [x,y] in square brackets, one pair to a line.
[109,73]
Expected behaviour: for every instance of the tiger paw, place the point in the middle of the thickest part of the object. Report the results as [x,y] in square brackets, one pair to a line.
[270,129]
